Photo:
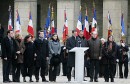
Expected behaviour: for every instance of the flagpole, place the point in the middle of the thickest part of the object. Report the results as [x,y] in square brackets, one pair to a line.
[10,18]
[64,41]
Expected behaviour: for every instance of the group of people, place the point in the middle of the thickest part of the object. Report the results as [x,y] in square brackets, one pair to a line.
[101,57]
[30,56]
[27,56]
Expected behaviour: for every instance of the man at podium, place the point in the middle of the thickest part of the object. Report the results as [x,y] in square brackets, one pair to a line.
[94,54]
[71,43]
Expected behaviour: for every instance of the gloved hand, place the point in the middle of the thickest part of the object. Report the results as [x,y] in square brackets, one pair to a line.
[117,60]
[123,44]
[64,48]
[100,58]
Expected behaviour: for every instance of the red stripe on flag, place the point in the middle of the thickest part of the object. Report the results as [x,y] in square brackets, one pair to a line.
[30,30]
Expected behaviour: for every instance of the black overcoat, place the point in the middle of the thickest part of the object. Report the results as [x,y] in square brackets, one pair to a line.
[109,56]
[70,44]
[6,48]
[41,49]
[28,56]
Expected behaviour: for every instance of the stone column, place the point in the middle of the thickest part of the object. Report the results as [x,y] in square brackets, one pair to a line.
[72,11]
[115,8]
[24,6]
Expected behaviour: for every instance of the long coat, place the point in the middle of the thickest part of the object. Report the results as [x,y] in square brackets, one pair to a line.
[122,53]
[21,48]
[95,48]
[28,54]
[70,44]
[109,56]
[41,49]
[6,48]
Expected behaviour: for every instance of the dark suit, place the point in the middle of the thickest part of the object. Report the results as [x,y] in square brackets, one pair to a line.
[9,48]
[70,44]
[41,49]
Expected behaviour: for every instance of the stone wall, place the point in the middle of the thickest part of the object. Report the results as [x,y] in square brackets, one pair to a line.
[115,8]
[128,26]
[24,7]
[4,14]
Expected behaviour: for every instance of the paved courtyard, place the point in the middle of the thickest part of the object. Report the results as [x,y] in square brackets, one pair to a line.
[63,80]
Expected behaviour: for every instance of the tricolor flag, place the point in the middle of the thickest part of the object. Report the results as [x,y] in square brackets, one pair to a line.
[109,25]
[65,28]
[86,27]
[30,25]
[48,22]
[18,24]
[123,32]
[79,23]
[10,26]
[52,23]
[94,21]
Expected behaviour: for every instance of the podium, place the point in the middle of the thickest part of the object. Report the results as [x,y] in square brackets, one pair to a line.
[79,62]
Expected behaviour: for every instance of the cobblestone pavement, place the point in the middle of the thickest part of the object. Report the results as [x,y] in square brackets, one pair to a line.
[63,80]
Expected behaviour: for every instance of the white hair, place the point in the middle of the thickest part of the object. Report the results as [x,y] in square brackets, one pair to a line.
[102,39]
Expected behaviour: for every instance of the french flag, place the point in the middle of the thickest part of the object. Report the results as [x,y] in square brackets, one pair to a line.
[109,25]
[18,24]
[122,26]
[65,28]
[52,27]
[10,26]
[30,25]
[48,22]
[79,24]
[94,22]
[86,27]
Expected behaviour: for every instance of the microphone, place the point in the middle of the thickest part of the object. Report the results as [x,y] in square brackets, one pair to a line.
[79,43]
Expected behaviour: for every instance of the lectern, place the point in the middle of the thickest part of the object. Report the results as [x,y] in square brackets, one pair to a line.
[79,62]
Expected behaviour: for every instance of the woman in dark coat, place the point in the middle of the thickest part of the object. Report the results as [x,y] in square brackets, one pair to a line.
[123,59]
[55,50]
[109,55]
[28,58]
[19,58]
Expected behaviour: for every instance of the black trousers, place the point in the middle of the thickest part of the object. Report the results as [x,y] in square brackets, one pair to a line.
[42,70]
[101,69]
[64,68]
[53,72]
[14,69]
[27,70]
[94,68]
[6,69]
[69,69]
[87,71]
[58,70]
[125,69]
[109,71]
[17,69]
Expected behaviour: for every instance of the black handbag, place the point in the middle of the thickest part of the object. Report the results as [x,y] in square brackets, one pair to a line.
[55,60]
